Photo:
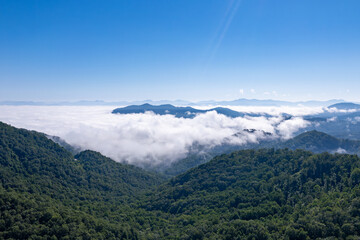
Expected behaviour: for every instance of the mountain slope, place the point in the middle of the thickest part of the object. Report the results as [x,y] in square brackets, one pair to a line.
[28,154]
[202,154]
[45,192]
[341,120]
[108,175]
[318,142]
[266,194]
[314,141]
[345,106]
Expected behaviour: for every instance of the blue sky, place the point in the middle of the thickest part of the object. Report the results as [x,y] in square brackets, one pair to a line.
[179,49]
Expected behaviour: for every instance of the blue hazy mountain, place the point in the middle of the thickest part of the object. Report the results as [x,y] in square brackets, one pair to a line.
[340,127]
[339,111]
[178,102]
[179,112]
[345,106]
[341,120]
[267,102]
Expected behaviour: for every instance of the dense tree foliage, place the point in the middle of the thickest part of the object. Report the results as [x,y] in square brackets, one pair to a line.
[267,194]
[43,187]
[318,142]
[47,193]
[314,141]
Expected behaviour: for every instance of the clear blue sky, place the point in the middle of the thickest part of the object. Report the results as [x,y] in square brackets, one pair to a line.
[179,49]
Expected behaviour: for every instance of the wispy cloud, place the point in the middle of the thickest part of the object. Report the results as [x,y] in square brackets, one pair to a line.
[221,31]
[225,24]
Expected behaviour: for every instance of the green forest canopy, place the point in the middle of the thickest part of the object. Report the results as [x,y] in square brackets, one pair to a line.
[47,193]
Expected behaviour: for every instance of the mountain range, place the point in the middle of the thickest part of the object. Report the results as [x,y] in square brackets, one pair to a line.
[46,192]
[314,141]
[345,106]
[342,110]
[341,120]
[179,112]
[344,122]
[179,102]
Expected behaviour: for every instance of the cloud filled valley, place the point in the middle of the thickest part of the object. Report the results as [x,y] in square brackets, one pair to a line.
[146,138]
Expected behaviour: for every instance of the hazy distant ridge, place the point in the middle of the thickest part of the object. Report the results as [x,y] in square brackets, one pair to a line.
[180,112]
[237,102]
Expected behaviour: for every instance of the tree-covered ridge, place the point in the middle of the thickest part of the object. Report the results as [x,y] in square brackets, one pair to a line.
[108,175]
[32,156]
[267,194]
[314,141]
[36,216]
[46,193]
[318,142]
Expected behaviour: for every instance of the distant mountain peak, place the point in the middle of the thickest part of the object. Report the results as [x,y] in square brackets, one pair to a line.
[146,105]
[345,106]
[317,142]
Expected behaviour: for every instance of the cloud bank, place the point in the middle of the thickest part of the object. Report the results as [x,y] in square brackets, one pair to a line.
[144,138]
[274,110]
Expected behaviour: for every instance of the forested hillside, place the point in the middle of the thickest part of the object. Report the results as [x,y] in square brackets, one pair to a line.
[47,193]
[314,141]
[319,142]
[266,194]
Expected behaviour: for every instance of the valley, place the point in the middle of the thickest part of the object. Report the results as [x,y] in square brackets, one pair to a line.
[179,120]
[46,192]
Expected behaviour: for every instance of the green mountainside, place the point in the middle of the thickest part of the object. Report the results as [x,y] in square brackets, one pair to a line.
[318,142]
[266,194]
[47,193]
[314,141]
[30,155]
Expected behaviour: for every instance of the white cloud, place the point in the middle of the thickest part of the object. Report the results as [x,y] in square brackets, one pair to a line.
[241,91]
[143,138]
[333,119]
[354,120]
[252,91]
[335,110]
[273,110]
[289,127]
[341,150]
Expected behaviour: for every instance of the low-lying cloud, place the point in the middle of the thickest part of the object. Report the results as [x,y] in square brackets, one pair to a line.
[275,110]
[145,138]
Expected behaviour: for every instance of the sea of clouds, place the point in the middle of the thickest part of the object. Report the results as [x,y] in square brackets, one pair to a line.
[148,138]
